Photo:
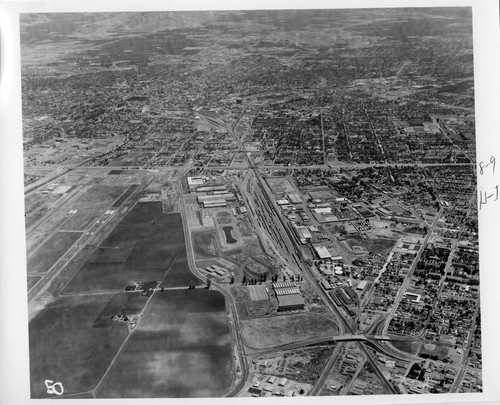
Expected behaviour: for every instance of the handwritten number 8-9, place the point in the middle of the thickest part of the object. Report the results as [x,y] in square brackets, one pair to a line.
[483,165]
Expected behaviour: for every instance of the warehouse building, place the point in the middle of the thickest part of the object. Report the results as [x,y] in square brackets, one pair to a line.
[290,302]
[220,202]
[303,234]
[288,296]
[325,284]
[323,252]
[216,200]
[294,198]
[209,189]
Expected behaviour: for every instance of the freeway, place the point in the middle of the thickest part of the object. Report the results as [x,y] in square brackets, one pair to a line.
[326,371]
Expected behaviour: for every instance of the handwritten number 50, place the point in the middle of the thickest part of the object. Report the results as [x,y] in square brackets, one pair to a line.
[54,387]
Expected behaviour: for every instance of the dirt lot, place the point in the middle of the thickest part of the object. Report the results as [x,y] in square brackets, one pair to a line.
[408,347]
[205,244]
[303,365]
[240,293]
[280,330]
[279,185]
[379,245]
[435,350]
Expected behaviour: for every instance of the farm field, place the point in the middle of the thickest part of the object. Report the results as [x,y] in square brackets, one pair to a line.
[280,330]
[51,251]
[179,274]
[65,346]
[181,348]
[140,248]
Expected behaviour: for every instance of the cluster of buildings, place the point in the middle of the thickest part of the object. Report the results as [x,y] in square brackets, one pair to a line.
[390,281]
[429,377]
[213,194]
[289,133]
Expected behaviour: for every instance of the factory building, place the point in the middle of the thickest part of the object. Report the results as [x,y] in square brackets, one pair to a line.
[289,297]
[215,200]
[214,189]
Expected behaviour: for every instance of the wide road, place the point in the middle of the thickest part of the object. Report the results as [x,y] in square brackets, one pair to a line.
[233,313]
[333,165]
[408,278]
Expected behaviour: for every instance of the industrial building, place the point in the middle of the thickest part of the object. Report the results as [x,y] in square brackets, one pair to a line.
[215,200]
[326,284]
[212,188]
[290,302]
[303,234]
[323,252]
[193,182]
[289,297]
[294,198]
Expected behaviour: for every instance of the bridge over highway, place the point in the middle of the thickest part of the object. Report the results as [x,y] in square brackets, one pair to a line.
[349,337]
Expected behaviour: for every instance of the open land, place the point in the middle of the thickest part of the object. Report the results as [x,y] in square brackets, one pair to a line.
[280,330]
[141,247]
[67,346]
[182,338]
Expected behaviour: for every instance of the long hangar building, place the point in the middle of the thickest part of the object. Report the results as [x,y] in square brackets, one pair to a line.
[289,297]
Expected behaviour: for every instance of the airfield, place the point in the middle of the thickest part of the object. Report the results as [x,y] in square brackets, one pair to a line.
[105,336]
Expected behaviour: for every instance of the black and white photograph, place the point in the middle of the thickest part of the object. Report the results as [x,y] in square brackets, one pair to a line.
[255,202]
